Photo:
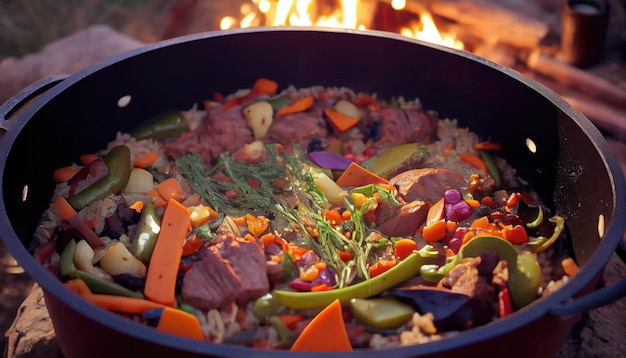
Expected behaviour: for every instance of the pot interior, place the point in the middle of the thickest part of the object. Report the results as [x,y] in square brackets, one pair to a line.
[568,169]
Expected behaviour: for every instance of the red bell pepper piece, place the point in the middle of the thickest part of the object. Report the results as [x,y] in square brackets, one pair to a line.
[504,303]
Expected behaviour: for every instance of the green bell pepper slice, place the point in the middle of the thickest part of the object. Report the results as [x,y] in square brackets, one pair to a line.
[543,242]
[167,125]
[147,233]
[118,162]
[404,270]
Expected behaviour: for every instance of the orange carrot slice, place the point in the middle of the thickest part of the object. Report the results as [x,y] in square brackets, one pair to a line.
[157,199]
[355,175]
[170,189]
[326,332]
[146,160]
[61,175]
[264,86]
[180,323]
[403,248]
[481,223]
[487,146]
[569,266]
[381,267]
[88,158]
[339,120]
[475,161]
[300,105]
[435,212]
[62,208]
[290,320]
[161,278]
[435,231]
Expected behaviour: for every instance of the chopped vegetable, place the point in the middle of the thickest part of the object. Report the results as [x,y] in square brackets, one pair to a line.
[62,208]
[542,243]
[180,323]
[569,266]
[300,105]
[492,168]
[259,117]
[436,212]
[329,160]
[391,160]
[170,189]
[161,278]
[118,260]
[140,181]
[64,174]
[118,162]
[164,126]
[146,234]
[325,333]
[475,161]
[435,231]
[382,313]
[504,303]
[401,272]
[355,175]
[339,120]
[487,146]
[348,108]
[120,304]
[145,160]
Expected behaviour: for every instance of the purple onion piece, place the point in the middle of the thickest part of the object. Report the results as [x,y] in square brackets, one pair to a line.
[309,259]
[329,160]
[325,277]
[459,211]
[299,285]
[452,196]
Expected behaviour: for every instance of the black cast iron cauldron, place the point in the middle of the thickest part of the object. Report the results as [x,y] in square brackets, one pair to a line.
[572,168]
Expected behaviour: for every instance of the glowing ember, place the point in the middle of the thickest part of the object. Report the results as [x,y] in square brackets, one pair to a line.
[346,14]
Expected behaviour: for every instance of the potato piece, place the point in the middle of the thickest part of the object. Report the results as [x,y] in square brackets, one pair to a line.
[333,192]
[83,259]
[347,108]
[118,260]
[140,181]
[259,117]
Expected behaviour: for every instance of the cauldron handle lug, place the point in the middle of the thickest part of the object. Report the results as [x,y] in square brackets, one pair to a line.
[601,297]
[13,104]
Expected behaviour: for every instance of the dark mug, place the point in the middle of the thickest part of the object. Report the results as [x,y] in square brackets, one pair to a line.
[583,32]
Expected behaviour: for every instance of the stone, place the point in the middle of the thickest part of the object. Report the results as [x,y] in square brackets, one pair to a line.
[65,56]
[32,335]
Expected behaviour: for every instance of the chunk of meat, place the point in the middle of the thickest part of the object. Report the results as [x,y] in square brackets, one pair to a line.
[464,278]
[399,126]
[222,130]
[299,128]
[233,270]
[396,220]
[428,184]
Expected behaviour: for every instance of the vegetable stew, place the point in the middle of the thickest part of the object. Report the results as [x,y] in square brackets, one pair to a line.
[305,219]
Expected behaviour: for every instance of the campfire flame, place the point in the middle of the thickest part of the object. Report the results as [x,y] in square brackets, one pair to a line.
[345,15]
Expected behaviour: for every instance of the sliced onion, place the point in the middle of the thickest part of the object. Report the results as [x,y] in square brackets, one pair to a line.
[329,160]
[299,285]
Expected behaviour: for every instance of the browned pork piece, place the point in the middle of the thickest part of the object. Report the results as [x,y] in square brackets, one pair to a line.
[426,184]
[233,270]
[398,126]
